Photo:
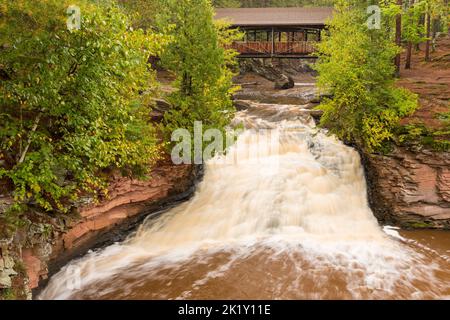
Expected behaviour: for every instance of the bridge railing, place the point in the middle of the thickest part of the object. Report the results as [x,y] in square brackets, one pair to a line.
[274,48]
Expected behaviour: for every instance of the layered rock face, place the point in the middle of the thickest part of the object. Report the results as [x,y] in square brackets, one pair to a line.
[129,202]
[265,69]
[410,188]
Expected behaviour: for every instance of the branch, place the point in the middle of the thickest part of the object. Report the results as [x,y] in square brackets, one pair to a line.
[33,129]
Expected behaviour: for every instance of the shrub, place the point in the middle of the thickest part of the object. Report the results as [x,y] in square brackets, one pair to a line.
[356,67]
[201,64]
[69,100]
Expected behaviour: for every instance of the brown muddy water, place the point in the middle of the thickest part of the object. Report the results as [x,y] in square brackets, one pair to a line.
[284,215]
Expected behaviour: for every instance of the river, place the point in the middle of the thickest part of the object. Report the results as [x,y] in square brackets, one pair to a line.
[284,215]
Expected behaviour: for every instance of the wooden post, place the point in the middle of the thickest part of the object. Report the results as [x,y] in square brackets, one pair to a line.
[273,42]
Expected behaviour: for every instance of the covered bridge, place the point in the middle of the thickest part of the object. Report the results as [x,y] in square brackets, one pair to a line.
[277,32]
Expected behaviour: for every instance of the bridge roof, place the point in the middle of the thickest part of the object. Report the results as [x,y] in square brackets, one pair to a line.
[265,17]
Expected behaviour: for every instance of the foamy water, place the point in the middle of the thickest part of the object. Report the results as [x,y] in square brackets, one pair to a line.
[283,215]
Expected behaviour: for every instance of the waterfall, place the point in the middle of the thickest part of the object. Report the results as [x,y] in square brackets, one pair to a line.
[284,214]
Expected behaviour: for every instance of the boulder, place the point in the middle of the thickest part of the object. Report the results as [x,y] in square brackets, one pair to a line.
[160,108]
[6,271]
[269,72]
[241,105]
[284,82]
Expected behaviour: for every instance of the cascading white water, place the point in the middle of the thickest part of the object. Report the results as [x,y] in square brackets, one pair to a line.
[283,217]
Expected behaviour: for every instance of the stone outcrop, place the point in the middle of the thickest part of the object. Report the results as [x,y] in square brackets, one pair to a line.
[268,71]
[6,271]
[159,109]
[128,204]
[410,188]
[284,82]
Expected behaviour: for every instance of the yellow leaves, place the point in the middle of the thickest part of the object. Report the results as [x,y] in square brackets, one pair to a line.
[36,188]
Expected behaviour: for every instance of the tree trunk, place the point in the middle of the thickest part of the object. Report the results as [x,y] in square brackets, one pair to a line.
[410,44]
[30,137]
[435,23]
[408,55]
[421,25]
[398,37]
[428,43]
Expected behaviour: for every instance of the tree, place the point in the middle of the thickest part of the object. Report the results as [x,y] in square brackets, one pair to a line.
[201,64]
[142,13]
[428,32]
[411,28]
[69,105]
[359,74]
[436,16]
[398,36]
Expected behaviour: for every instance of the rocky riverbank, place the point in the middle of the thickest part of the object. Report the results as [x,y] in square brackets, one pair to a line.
[25,265]
[409,187]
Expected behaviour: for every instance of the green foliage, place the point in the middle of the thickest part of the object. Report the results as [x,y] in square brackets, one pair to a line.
[141,12]
[413,17]
[69,103]
[7,294]
[201,64]
[420,134]
[356,67]
[412,30]
[11,220]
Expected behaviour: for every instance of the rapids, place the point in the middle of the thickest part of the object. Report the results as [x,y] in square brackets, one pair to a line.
[283,215]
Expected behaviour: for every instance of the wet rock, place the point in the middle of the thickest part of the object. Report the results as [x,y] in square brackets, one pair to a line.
[241,105]
[410,188]
[112,219]
[159,110]
[5,281]
[320,98]
[269,72]
[6,271]
[284,83]
[314,113]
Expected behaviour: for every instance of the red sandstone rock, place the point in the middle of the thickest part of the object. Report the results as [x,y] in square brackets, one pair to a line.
[33,267]
[127,198]
[410,188]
